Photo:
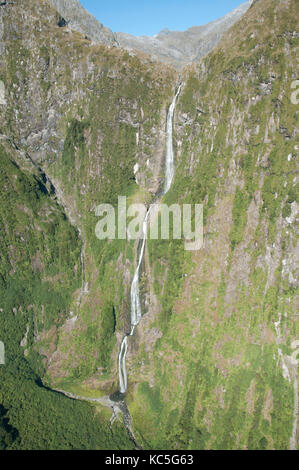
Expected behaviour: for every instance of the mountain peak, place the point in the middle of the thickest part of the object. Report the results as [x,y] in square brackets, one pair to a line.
[178,48]
[164,31]
[184,47]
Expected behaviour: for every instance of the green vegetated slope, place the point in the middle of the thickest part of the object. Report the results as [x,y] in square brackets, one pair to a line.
[213,377]
[87,114]
[39,275]
[204,370]
[97,165]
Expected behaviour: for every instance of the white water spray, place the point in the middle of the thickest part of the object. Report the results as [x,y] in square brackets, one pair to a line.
[169,159]
[136,313]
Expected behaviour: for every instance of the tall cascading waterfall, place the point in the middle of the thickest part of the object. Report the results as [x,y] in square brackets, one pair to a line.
[169,159]
[136,313]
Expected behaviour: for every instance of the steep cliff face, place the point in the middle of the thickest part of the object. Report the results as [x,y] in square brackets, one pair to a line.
[87,115]
[216,353]
[213,362]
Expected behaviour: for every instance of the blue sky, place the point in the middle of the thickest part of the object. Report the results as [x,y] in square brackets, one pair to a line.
[148,17]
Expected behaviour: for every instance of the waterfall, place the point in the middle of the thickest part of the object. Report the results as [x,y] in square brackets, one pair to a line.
[169,158]
[136,313]
[123,379]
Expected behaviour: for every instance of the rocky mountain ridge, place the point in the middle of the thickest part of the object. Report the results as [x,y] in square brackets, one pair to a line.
[213,363]
[173,47]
